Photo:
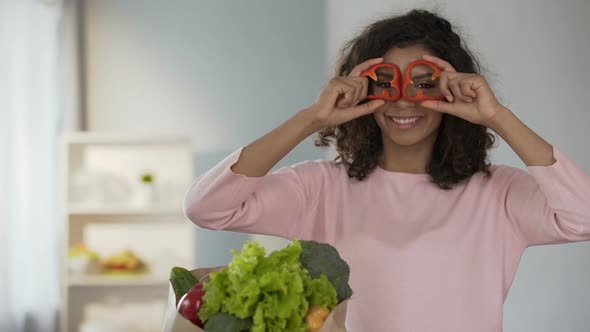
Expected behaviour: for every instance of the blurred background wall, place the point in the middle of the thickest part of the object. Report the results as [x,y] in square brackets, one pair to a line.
[223,72]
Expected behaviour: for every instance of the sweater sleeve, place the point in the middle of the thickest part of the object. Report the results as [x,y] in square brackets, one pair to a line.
[549,204]
[276,204]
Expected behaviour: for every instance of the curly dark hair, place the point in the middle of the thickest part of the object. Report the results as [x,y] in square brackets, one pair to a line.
[461,146]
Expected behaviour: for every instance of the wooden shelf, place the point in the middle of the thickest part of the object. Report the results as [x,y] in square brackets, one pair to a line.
[123,211]
[109,281]
[94,138]
[103,167]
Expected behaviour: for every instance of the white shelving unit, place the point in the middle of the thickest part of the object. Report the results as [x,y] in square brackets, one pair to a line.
[106,207]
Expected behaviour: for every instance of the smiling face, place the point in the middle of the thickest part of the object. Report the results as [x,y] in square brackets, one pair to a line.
[403,122]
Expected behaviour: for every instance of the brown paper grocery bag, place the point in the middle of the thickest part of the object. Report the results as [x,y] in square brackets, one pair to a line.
[174,322]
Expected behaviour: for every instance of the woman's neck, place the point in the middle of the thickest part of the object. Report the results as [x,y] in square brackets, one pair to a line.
[406,158]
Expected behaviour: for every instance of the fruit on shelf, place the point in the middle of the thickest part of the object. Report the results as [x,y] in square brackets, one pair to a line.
[80,250]
[126,261]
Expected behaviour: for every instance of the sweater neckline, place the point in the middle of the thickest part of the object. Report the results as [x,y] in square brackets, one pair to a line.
[402,175]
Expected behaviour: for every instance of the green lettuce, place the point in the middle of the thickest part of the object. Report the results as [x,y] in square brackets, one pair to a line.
[274,291]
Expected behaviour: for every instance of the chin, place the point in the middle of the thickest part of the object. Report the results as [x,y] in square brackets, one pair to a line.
[405,140]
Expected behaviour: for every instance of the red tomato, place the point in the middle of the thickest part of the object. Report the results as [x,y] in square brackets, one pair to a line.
[190,304]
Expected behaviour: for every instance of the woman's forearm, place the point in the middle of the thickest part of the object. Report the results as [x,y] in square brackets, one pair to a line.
[530,147]
[260,156]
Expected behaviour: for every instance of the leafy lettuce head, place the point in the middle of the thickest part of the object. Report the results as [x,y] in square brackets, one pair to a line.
[274,291]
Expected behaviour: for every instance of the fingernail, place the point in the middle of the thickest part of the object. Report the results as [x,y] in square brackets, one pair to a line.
[449,97]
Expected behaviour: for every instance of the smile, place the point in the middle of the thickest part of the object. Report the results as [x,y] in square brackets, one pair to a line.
[403,122]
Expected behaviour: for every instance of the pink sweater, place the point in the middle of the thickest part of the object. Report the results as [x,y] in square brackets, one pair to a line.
[422,259]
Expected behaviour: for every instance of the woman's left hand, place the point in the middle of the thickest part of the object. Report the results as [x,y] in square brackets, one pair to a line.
[469,95]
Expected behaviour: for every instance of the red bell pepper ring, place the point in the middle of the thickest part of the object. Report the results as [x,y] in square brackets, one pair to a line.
[397,83]
[419,93]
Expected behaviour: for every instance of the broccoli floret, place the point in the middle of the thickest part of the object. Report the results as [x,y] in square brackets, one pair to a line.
[322,258]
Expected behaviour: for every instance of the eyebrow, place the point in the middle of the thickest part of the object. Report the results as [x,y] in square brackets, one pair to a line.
[417,77]
[384,75]
[421,76]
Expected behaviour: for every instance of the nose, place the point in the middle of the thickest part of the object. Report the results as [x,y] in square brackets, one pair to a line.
[404,103]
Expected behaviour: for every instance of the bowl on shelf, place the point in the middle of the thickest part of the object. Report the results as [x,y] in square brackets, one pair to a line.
[79,265]
[81,260]
[126,263]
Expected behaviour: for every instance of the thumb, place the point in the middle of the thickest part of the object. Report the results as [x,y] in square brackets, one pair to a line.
[367,108]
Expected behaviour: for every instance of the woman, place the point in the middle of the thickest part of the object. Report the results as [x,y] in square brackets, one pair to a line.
[433,233]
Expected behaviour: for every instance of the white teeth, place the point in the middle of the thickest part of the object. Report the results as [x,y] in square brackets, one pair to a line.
[404,121]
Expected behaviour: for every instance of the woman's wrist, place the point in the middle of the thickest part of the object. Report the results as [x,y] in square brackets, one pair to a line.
[501,118]
[308,121]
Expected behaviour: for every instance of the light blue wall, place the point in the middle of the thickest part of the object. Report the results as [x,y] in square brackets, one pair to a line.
[222,72]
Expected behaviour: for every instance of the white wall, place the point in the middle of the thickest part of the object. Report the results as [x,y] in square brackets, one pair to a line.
[222,72]
[536,53]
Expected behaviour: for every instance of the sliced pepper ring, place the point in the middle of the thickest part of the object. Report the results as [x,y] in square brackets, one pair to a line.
[419,93]
[395,82]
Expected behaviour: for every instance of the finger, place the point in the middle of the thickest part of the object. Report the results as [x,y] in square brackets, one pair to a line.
[457,88]
[366,108]
[444,65]
[465,86]
[365,90]
[454,85]
[357,82]
[356,71]
[336,91]
[439,106]
[345,93]
[444,87]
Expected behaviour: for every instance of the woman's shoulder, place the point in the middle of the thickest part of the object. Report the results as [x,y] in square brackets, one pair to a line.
[506,172]
[316,167]
[501,176]
[317,172]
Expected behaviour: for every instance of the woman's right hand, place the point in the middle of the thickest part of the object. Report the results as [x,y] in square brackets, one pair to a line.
[338,100]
